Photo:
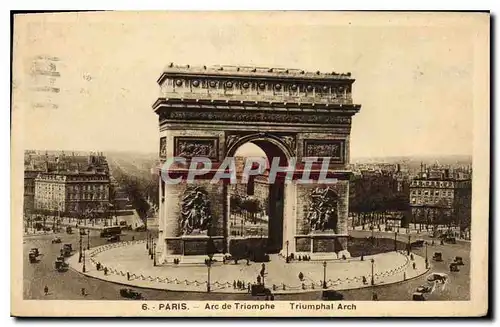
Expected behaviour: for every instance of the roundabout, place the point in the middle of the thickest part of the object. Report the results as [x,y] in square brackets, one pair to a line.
[129,263]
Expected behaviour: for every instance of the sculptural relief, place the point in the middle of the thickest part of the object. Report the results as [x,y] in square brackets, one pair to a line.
[322,213]
[195,211]
[242,116]
[163,147]
[189,147]
[325,148]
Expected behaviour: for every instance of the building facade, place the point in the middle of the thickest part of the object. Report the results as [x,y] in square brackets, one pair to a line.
[70,185]
[439,196]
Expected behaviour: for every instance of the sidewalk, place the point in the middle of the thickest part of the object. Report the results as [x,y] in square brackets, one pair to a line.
[132,257]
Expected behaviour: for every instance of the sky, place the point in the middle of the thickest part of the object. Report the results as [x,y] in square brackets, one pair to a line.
[414,74]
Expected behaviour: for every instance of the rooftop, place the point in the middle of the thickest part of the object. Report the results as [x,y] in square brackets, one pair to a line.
[249,71]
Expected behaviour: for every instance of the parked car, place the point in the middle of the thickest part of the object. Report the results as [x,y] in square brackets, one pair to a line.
[425,288]
[450,240]
[418,297]
[35,251]
[130,294]
[56,240]
[438,256]
[114,238]
[32,257]
[459,261]
[259,289]
[332,295]
[454,267]
[418,243]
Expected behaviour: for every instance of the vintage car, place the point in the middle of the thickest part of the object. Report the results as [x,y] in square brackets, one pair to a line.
[438,256]
[418,243]
[35,251]
[259,289]
[66,250]
[130,294]
[32,257]
[427,288]
[56,240]
[454,267]
[331,295]
[83,232]
[450,240]
[417,296]
[60,264]
[69,230]
[459,261]
[114,238]
[437,277]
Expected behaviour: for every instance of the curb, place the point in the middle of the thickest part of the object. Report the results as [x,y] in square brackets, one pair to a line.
[277,292]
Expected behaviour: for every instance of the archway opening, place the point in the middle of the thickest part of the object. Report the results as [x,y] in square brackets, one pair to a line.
[256,207]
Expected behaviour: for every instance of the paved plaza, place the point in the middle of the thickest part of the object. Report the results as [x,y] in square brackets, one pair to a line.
[282,278]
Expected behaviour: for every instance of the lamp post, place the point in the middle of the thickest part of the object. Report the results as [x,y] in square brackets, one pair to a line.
[324,274]
[287,258]
[88,239]
[83,268]
[395,241]
[154,254]
[409,244]
[81,249]
[147,241]
[426,258]
[209,265]
[373,277]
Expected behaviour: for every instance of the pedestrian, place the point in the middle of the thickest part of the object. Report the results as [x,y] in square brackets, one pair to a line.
[374,297]
[128,275]
[404,275]
[105,271]
[414,265]
[133,238]
[46,290]
[271,297]
[83,291]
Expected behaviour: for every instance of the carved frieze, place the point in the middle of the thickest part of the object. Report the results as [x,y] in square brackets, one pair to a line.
[163,147]
[196,215]
[189,147]
[256,84]
[256,117]
[322,212]
[333,149]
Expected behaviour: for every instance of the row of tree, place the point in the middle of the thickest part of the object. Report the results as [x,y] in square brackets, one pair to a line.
[247,206]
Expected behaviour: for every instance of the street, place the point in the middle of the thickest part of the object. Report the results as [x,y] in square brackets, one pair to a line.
[67,285]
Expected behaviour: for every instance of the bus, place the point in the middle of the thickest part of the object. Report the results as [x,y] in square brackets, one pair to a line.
[111,231]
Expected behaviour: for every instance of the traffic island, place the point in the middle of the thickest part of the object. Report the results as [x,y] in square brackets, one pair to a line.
[130,263]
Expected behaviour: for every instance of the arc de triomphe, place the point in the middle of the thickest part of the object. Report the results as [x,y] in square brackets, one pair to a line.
[211,111]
